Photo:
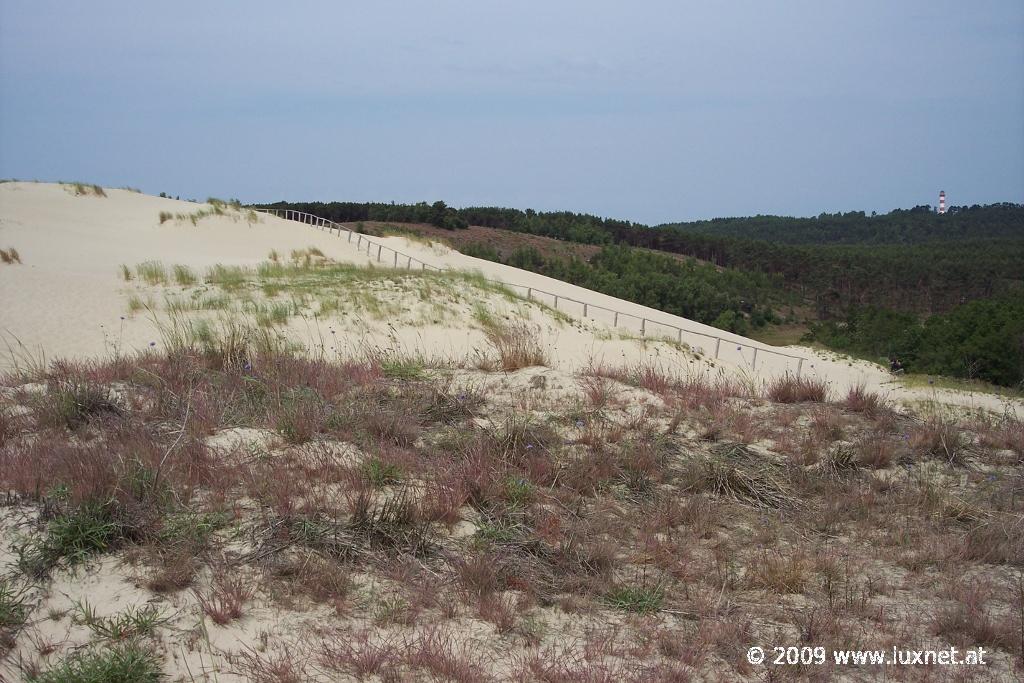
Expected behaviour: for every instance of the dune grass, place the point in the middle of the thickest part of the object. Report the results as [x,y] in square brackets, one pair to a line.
[81,189]
[10,256]
[184,276]
[152,272]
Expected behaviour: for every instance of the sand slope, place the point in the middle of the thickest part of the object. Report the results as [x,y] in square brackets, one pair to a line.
[67,299]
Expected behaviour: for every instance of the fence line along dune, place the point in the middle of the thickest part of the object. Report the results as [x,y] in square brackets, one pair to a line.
[84,253]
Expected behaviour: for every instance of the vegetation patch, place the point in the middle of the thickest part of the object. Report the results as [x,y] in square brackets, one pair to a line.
[129,662]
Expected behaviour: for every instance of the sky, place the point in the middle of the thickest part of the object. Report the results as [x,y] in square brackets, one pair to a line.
[647,111]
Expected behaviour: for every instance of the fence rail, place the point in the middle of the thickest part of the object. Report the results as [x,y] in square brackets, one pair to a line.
[587,307]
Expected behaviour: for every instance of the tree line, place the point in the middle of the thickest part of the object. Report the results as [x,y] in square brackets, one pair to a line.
[727,299]
[979,340]
[938,290]
[911,260]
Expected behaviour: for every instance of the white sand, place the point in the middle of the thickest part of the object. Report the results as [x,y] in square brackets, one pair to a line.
[67,299]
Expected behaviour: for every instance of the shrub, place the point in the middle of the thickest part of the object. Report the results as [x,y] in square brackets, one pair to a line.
[792,389]
[10,255]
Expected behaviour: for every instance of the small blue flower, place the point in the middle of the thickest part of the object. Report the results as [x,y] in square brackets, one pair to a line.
[122,317]
[461,397]
[152,343]
[529,446]
[248,366]
[931,381]
[580,423]
[739,348]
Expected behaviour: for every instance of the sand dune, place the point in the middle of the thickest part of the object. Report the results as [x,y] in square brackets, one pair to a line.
[67,299]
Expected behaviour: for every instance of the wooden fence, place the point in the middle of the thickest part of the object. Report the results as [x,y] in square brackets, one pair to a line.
[647,326]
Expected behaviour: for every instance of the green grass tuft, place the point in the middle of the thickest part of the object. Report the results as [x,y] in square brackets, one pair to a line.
[128,662]
[152,272]
[184,276]
[639,599]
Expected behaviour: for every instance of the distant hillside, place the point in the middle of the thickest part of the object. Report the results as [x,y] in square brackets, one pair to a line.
[831,263]
[829,274]
[902,226]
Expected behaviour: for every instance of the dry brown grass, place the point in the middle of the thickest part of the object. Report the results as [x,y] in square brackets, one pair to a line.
[10,256]
[224,600]
[517,346]
[409,508]
[792,389]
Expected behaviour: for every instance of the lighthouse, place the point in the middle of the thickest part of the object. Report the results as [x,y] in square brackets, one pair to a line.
[942,201]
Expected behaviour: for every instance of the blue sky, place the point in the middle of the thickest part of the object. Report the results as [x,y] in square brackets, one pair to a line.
[651,111]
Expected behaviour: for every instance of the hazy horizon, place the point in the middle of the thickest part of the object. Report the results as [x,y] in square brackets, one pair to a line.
[656,112]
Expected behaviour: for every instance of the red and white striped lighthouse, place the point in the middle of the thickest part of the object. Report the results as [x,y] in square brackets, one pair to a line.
[942,201]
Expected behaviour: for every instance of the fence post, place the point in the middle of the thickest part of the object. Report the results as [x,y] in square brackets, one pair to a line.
[584,310]
[799,367]
[556,302]
[379,248]
[643,326]
[753,365]
[408,265]
[529,293]
[616,323]
[680,340]
[350,237]
[718,345]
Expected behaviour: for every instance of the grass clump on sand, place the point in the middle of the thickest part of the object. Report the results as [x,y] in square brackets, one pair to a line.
[152,272]
[639,599]
[80,189]
[227,277]
[10,256]
[71,537]
[184,276]
[517,345]
[129,662]
[13,612]
[789,388]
